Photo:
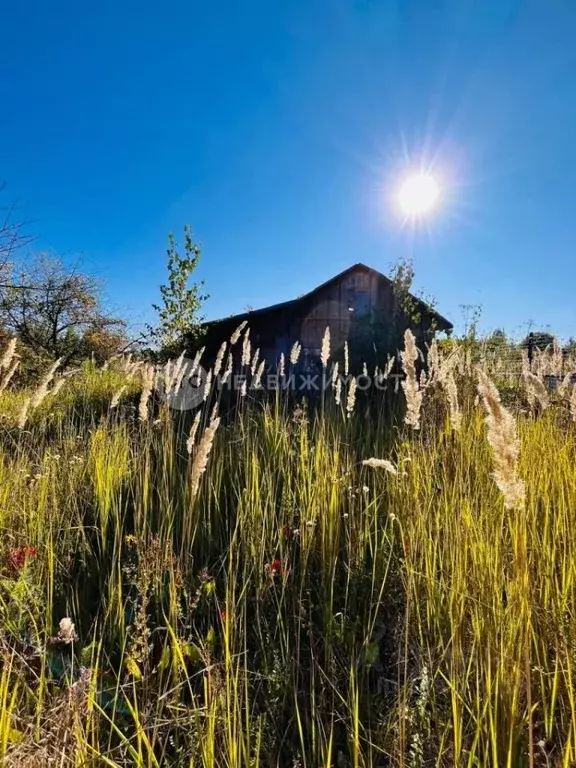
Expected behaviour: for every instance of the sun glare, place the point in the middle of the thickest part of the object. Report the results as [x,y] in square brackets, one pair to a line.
[418,195]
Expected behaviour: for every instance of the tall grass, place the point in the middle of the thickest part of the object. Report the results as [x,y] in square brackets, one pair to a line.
[289,584]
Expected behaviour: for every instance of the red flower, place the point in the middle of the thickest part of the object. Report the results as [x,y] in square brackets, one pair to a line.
[275,568]
[223,615]
[19,554]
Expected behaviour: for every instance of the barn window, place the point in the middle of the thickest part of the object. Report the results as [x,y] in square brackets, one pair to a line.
[359,301]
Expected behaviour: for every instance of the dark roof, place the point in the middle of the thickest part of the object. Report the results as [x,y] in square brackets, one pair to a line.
[443,323]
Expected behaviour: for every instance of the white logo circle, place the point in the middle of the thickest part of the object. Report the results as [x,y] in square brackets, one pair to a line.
[184,389]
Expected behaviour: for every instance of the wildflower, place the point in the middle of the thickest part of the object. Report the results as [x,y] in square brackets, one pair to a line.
[19,555]
[275,568]
[67,631]
[381,464]
[223,615]
[365,489]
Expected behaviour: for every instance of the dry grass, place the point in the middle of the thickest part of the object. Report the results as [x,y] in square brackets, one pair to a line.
[260,589]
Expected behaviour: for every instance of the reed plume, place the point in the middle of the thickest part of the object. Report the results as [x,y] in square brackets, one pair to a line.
[117,397]
[452,394]
[228,372]
[410,384]
[192,435]
[258,377]
[219,359]
[346,359]
[236,335]
[23,414]
[381,464]
[325,351]
[535,390]
[8,355]
[351,399]
[42,389]
[295,353]
[147,384]
[254,362]
[246,348]
[504,442]
[200,460]
[7,378]
[281,366]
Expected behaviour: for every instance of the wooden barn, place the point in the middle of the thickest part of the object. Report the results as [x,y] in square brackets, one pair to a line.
[359,305]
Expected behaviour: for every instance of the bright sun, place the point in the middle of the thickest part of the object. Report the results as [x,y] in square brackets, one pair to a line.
[418,195]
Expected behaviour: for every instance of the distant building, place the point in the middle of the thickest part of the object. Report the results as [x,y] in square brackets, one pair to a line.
[359,305]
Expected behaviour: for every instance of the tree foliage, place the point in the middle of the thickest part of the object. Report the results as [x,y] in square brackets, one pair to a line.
[56,310]
[179,318]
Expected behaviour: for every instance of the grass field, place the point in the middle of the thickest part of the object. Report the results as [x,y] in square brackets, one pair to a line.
[236,587]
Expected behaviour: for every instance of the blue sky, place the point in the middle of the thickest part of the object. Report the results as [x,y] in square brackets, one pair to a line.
[281,130]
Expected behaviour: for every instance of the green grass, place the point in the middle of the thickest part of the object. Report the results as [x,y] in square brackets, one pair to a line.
[302,609]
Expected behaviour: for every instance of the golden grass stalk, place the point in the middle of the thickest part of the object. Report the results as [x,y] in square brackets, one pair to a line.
[325,351]
[504,442]
[410,384]
[200,460]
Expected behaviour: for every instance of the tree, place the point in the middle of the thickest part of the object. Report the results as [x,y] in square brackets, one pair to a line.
[179,317]
[54,309]
[12,237]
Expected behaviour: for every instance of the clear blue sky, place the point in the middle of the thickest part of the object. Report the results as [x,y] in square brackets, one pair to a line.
[280,130]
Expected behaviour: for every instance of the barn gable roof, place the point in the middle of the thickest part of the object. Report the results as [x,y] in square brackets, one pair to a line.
[442,322]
